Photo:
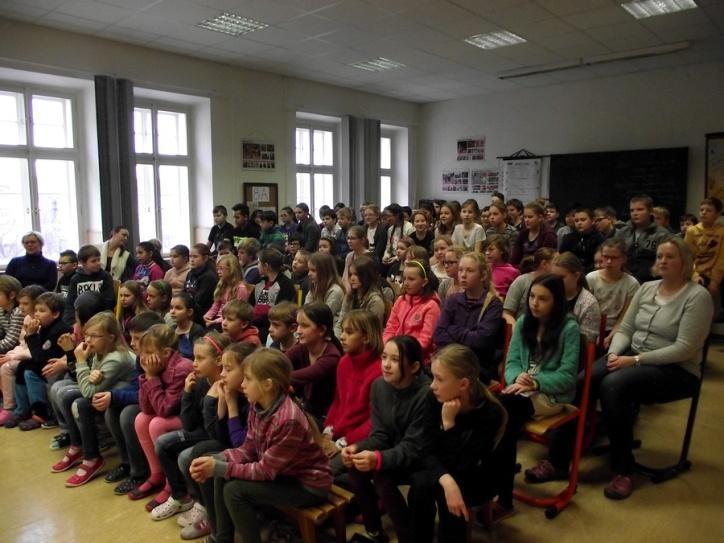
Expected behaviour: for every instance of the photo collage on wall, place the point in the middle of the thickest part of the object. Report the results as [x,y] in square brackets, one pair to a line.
[257,155]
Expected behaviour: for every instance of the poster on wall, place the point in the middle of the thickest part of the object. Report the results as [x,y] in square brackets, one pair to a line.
[471,148]
[715,165]
[455,180]
[483,181]
[262,196]
[522,179]
[257,155]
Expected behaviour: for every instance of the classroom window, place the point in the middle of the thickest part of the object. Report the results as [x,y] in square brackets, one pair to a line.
[316,166]
[163,164]
[39,161]
[385,172]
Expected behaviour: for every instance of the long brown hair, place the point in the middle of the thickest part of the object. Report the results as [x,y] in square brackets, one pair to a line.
[327,276]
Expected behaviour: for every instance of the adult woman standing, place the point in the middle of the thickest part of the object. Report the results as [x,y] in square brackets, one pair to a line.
[654,357]
[33,268]
[115,258]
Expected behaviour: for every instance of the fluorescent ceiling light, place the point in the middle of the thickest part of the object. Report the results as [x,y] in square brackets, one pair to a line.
[378,65]
[493,40]
[592,61]
[641,9]
[230,23]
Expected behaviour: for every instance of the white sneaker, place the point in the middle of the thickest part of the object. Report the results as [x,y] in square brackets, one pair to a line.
[193,515]
[169,508]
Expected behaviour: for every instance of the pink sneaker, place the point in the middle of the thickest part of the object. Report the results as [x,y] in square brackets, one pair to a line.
[86,472]
[5,416]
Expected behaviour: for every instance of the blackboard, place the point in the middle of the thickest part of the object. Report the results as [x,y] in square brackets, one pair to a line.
[612,178]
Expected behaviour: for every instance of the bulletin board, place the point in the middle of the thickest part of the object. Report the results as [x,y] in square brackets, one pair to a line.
[264,196]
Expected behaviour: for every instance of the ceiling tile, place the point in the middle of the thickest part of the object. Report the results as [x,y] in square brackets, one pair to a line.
[569,7]
[575,41]
[94,11]
[182,11]
[126,35]
[599,17]
[546,28]
[574,74]
[71,22]
[275,36]
[520,13]
[314,47]
[528,54]
[469,26]
[46,5]
[241,45]
[268,11]
[620,67]
[21,12]
[130,4]
[310,25]
[346,37]
[688,33]
[353,11]
[176,46]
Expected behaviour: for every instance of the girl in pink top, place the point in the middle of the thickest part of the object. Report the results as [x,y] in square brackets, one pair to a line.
[149,266]
[498,254]
[230,287]
[160,389]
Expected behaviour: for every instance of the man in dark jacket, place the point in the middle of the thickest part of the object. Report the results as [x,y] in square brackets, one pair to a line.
[307,227]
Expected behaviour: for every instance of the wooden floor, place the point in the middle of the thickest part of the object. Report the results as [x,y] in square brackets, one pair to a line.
[36,507]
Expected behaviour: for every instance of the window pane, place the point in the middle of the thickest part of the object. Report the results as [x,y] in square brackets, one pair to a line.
[323,191]
[174,195]
[171,133]
[385,153]
[385,191]
[12,118]
[143,130]
[302,146]
[323,148]
[57,206]
[304,189]
[15,217]
[52,121]
[146,202]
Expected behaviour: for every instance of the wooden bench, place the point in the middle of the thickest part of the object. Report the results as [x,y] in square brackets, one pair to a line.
[308,518]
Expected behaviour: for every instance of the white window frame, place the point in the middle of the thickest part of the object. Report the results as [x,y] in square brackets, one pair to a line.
[389,172]
[30,152]
[310,168]
[157,160]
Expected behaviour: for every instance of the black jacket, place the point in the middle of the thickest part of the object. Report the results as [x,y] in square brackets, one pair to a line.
[200,284]
[584,246]
[82,281]
[43,345]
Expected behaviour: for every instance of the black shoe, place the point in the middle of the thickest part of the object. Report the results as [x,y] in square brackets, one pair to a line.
[369,538]
[129,484]
[118,474]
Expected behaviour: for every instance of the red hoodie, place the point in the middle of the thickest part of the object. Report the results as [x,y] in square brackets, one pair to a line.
[249,335]
[349,414]
[415,316]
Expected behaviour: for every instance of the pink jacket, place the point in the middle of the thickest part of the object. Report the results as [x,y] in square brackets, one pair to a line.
[214,312]
[161,395]
[503,275]
[415,316]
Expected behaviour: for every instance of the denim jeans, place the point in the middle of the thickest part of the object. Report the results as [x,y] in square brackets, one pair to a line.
[30,395]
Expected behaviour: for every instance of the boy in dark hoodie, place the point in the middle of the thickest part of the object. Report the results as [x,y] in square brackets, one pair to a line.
[41,335]
[67,265]
[90,277]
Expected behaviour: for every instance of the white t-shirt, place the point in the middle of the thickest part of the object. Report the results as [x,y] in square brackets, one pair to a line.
[470,238]
[611,296]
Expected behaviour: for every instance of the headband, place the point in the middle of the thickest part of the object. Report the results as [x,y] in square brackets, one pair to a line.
[419,264]
[216,346]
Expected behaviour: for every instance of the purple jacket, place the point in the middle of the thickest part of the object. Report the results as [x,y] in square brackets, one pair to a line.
[161,395]
[460,322]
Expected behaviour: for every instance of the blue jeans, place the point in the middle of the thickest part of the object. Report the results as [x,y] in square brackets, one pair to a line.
[30,395]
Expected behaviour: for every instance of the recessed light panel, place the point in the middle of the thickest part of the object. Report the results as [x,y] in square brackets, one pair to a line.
[232,24]
[378,65]
[493,40]
[643,9]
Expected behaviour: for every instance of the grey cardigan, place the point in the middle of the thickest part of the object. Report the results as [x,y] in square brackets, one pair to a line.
[673,333]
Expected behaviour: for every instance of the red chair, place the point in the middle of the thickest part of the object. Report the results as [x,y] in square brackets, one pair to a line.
[536,430]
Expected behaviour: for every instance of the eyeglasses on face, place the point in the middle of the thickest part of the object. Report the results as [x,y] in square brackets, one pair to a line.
[449,262]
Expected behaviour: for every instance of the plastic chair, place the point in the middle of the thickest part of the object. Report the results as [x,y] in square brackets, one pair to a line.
[659,475]
[536,430]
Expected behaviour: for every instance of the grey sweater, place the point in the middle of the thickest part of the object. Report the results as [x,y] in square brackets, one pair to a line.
[673,333]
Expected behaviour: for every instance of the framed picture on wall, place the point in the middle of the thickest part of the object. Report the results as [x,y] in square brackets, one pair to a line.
[264,196]
[715,165]
[257,155]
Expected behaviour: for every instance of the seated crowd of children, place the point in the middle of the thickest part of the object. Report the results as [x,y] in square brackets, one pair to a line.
[261,367]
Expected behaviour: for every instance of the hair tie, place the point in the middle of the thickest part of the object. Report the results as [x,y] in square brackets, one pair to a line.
[420,265]
[215,345]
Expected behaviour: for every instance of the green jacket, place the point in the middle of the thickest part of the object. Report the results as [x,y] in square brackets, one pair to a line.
[558,374]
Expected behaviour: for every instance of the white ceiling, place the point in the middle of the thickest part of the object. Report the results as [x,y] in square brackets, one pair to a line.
[318,39]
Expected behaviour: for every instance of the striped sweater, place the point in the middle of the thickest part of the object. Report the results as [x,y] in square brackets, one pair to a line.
[11,323]
[279,442]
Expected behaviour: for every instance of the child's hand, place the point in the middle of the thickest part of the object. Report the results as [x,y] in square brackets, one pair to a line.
[395,286]
[329,447]
[66,342]
[364,461]
[101,401]
[347,455]
[190,382]
[230,396]
[208,322]
[515,388]
[95,377]
[55,366]
[453,497]
[202,468]
[32,326]
[524,379]
[450,410]
[3,358]
[81,352]
[152,365]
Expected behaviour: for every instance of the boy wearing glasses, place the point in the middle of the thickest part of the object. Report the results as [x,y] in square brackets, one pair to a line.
[67,265]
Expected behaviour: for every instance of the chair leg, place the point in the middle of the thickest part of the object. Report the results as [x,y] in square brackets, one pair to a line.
[308,530]
[340,525]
